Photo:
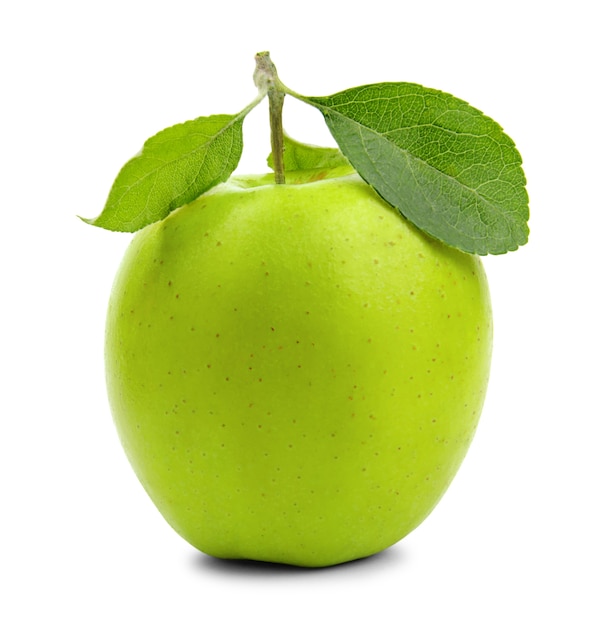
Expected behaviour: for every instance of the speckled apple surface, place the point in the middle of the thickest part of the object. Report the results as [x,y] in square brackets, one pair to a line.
[295,371]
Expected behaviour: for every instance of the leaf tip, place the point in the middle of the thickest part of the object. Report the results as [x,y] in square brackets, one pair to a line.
[87,220]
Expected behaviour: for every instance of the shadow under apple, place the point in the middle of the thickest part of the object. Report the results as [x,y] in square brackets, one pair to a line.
[391,557]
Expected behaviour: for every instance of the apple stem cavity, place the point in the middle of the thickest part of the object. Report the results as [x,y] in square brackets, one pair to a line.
[267,81]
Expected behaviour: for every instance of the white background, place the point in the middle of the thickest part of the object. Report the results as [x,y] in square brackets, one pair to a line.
[519,537]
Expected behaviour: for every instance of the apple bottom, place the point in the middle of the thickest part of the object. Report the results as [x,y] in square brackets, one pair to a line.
[281,491]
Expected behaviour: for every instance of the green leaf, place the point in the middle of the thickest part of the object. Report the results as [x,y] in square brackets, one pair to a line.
[175,167]
[303,156]
[444,165]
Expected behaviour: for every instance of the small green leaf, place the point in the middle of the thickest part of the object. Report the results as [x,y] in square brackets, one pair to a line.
[175,167]
[303,156]
[444,165]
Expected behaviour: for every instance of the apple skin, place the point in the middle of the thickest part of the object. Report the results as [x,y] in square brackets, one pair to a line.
[295,371]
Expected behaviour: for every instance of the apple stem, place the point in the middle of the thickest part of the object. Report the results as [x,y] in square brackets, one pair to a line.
[267,81]
[276,100]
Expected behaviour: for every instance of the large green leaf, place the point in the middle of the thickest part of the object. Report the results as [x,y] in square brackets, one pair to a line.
[447,167]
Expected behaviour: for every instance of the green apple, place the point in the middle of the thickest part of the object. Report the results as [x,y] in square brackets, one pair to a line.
[296,371]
